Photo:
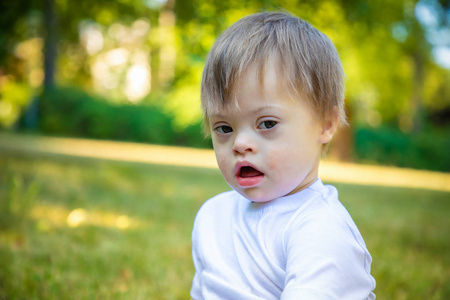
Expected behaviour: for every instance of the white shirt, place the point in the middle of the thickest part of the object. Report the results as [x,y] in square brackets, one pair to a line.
[302,246]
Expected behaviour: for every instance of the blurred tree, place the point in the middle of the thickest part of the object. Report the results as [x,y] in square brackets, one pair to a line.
[385,46]
[58,24]
[50,51]
[401,54]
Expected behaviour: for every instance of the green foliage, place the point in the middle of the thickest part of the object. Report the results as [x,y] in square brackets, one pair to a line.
[405,230]
[426,150]
[72,112]
[385,47]
[14,97]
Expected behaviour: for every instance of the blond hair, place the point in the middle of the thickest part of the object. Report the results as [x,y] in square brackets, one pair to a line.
[306,59]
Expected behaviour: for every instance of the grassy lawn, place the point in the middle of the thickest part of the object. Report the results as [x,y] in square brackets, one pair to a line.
[92,229]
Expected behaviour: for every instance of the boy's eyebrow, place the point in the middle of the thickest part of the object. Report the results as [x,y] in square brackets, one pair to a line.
[218,116]
[254,111]
[258,110]
[263,108]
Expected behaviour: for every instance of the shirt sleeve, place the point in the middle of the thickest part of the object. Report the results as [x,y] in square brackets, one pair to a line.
[326,261]
[195,288]
[195,292]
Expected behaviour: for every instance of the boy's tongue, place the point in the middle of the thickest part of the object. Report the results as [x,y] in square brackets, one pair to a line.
[249,172]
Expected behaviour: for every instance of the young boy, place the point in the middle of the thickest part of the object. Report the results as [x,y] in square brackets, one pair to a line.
[272,96]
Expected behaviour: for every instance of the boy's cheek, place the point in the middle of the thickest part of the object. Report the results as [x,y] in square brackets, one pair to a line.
[278,158]
[218,141]
[222,160]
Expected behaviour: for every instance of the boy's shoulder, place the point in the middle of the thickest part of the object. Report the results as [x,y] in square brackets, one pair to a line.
[221,204]
[225,200]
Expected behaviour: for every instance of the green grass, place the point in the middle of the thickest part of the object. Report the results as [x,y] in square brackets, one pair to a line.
[42,257]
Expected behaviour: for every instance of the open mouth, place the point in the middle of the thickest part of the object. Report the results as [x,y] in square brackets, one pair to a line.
[247,172]
[248,176]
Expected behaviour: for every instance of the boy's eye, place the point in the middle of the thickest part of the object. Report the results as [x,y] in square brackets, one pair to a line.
[224,129]
[267,124]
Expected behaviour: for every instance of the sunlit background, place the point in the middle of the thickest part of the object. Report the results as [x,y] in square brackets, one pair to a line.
[92,219]
[109,62]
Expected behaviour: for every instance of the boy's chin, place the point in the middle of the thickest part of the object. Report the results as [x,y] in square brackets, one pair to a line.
[255,195]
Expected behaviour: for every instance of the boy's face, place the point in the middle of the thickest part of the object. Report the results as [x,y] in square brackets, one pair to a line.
[270,146]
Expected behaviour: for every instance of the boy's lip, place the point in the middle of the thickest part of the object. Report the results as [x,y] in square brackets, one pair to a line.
[247,181]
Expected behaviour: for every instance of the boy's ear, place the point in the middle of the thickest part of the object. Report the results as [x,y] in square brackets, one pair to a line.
[329,126]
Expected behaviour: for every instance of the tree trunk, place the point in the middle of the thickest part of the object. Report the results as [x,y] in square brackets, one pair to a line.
[417,95]
[51,43]
[50,53]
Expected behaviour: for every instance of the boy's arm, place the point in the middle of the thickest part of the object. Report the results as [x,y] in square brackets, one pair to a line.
[325,261]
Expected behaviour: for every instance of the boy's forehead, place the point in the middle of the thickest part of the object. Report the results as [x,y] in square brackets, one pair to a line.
[260,78]
[265,88]
[264,79]
[264,71]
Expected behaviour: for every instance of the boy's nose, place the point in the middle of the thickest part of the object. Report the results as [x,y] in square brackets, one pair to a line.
[243,144]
